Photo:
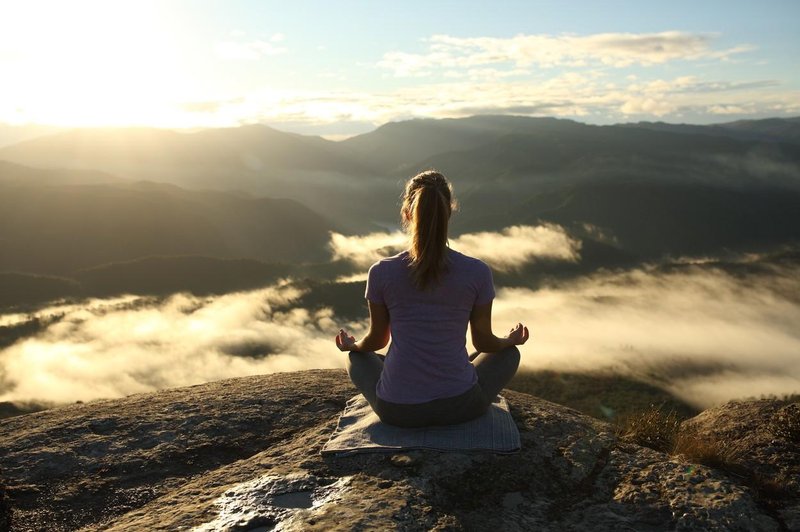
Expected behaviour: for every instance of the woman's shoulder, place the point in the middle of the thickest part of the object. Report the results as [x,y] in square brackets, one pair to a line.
[467,261]
[391,262]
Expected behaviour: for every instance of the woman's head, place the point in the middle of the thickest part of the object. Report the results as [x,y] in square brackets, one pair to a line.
[427,205]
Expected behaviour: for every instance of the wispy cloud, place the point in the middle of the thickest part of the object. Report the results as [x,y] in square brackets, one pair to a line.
[520,244]
[729,109]
[364,250]
[522,51]
[504,250]
[586,93]
[511,76]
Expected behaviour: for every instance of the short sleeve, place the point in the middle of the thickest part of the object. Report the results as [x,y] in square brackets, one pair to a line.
[485,285]
[374,291]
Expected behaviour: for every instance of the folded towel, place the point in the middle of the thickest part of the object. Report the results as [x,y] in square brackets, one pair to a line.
[361,431]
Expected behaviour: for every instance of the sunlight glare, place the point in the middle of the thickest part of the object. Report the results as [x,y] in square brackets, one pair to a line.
[90,63]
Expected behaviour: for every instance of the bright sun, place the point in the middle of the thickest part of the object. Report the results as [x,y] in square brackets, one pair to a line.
[90,63]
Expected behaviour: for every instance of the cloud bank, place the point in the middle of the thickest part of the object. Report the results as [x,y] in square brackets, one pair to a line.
[708,335]
[97,351]
[705,334]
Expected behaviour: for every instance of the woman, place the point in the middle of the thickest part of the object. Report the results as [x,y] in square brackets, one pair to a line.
[425,297]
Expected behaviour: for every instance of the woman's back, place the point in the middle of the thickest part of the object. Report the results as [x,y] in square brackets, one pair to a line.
[427,358]
[423,300]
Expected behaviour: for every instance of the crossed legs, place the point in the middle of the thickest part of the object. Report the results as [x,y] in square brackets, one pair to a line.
[495,371]
[365,371]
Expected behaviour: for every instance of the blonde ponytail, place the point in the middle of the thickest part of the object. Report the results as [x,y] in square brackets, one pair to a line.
[427,205]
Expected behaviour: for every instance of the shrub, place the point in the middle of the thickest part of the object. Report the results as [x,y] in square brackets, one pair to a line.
[653,428]
[703,450]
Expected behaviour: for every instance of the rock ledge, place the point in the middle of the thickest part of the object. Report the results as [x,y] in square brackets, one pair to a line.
[244,454]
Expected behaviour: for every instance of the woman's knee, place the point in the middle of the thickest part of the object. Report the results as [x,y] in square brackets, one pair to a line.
[360,362]
[355,359]
[506,360]
[512,356]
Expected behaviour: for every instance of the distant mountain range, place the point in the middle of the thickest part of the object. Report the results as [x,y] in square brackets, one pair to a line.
[12,134]
[768,129]
[246,156]
[157,276]
[19,175]
[164,155]
[75,199]
[57,229]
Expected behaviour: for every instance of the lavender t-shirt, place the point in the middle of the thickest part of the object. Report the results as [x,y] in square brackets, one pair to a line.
[427,358]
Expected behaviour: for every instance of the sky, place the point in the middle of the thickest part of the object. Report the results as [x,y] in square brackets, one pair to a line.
[342,68]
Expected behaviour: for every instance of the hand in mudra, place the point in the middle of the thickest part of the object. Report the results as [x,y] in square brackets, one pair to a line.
[519,334]
[344,341]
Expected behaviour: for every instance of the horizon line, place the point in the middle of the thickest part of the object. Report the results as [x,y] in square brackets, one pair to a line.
[341,137]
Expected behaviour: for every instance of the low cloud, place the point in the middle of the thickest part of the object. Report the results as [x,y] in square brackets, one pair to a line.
[111,351]
[504,250]
[518,245]
[645,323]
[365,250]
[648,106]
[727,110]
[764,163]
[704,334]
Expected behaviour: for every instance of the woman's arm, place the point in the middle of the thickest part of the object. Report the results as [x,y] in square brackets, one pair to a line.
[377,336]
[484,340]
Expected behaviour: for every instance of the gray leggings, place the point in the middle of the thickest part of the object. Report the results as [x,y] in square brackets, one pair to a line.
[494,370]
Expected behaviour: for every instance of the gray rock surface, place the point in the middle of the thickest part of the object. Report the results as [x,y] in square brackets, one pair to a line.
[760,443]
[244,454]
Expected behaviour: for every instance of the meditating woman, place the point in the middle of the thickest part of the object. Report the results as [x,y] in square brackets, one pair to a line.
[424,298]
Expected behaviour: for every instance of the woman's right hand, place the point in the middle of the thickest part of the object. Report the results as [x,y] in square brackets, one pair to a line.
[518,335]
[344,341]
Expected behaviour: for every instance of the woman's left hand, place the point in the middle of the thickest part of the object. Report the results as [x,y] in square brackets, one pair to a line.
[344,341]
[518,335]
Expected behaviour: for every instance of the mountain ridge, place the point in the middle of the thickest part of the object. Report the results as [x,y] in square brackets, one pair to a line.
[684,193]
[382,147]
[59,229]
